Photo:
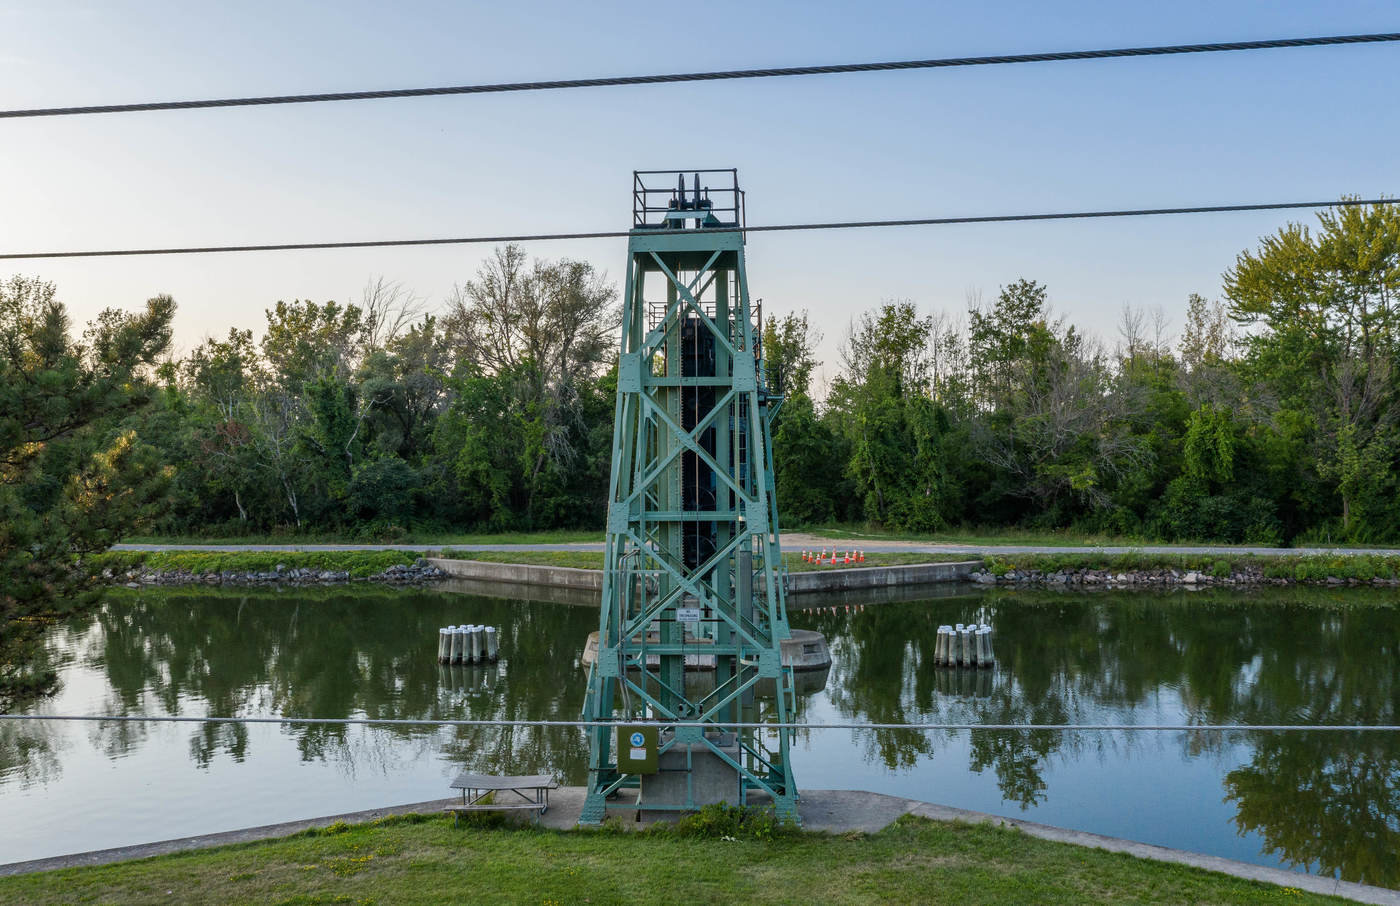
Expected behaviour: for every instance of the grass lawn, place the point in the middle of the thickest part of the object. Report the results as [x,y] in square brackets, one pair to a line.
[979,536]
[1300,568]
[594,560]
[373,562]
[425,860]
[357,563]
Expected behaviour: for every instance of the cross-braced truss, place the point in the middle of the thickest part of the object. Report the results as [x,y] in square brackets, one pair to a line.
[692,522]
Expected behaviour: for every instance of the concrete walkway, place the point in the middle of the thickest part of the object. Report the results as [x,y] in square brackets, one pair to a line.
[832,811]
[801,541]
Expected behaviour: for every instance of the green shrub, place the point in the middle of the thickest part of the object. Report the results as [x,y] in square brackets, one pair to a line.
[721,820]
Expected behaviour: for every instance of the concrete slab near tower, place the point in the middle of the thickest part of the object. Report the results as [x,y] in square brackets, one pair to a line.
[691,769]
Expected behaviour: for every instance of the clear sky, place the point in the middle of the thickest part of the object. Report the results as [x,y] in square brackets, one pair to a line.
[1220,128]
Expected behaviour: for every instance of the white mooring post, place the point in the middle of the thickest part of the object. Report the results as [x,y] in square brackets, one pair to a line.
[985,658]
[475,638]
[459,639]
[492,644]
[964,645]
[444,644]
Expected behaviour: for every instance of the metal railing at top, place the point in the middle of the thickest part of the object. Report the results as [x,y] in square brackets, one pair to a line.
[666,198]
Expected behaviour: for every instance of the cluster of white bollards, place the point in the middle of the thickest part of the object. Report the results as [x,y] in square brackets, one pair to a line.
[467,644]
[964,646]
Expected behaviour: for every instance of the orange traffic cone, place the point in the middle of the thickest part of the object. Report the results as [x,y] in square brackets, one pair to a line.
[848,558]
[861,558]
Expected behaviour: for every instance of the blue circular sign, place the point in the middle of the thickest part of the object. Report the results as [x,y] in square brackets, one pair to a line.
[638,739]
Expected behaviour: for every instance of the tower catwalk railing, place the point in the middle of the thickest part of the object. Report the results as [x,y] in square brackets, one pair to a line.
[693,563]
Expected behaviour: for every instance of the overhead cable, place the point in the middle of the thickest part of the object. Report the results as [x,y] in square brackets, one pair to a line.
[772,72]
[667,724]
[771,228]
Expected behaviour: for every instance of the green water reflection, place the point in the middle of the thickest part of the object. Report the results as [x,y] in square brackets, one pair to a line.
[1328,801]
[332,653]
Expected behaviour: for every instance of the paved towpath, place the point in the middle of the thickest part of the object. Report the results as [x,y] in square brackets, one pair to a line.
[801,541]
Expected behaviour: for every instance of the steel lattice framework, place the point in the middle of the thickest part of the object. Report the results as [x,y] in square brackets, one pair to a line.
[692,522]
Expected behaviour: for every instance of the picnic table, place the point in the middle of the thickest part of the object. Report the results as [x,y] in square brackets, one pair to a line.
[532,789]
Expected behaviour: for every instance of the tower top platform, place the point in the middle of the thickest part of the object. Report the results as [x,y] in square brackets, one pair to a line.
[662,200]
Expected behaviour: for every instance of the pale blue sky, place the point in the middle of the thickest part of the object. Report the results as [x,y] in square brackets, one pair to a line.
[1258,126]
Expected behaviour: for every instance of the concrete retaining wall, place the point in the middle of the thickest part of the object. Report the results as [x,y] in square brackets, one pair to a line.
[815,582]
[522,573]
[545,594]
[879,576]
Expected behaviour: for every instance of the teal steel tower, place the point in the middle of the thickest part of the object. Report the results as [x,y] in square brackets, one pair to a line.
[693,566]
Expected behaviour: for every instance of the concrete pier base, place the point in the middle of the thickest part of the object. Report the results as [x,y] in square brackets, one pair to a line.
[805,651]
[694,771]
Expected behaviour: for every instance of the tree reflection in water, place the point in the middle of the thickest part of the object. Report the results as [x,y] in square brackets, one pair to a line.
[29,753]
[346,653]
[1327,801]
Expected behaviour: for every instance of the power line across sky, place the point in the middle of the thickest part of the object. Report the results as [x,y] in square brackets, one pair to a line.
[712,76]
[977,138]
[768,228]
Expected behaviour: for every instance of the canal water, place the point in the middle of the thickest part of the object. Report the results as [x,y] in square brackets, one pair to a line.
[1327,803]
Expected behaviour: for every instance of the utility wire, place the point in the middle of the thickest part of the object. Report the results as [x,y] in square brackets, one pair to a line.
[616,81]
[771,228]
[410,722]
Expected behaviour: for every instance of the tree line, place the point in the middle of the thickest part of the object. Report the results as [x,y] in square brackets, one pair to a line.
[1270,419]
[372,418]
[1268,416]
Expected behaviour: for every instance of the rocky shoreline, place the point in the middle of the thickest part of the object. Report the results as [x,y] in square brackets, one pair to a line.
[417,573]
[1247,576]
[421,571]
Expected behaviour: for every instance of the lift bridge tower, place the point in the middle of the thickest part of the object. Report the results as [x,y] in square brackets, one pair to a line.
[694,571]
